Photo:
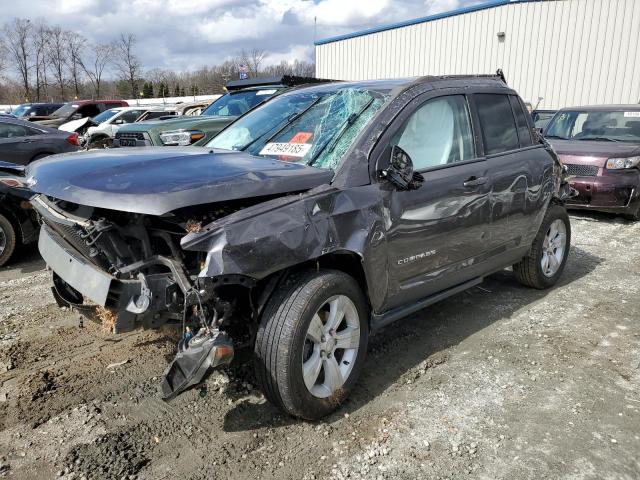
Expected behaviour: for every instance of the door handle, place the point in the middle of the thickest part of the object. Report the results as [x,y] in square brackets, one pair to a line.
[27,140]
[475,181]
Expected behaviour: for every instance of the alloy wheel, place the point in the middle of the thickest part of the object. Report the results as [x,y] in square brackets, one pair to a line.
[331,346]
[553,247]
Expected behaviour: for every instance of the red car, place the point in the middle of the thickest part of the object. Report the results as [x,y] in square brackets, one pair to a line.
[600,145]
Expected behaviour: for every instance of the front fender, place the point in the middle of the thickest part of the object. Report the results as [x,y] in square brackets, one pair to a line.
[288,231]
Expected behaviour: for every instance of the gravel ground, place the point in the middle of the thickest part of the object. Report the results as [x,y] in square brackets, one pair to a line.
[499,382]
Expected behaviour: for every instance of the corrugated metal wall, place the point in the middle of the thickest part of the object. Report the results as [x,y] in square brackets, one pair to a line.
[570,52]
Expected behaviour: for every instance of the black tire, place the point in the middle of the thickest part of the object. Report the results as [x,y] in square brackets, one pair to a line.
[281,340]
[529,270]
[8,232]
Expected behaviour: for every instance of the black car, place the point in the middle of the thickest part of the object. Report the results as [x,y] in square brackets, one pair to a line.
[35,111]
[320,216]
[22,142]
[18,221]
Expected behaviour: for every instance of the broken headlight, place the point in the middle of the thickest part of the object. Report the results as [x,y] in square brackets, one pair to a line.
[622,163]
[181,137]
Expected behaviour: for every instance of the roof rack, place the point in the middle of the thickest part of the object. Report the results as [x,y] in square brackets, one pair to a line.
[285,80]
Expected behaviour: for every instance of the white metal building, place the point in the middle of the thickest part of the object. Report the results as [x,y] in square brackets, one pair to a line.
[568,52]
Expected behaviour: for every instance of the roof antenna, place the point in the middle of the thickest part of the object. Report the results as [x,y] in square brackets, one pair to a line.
[500,74]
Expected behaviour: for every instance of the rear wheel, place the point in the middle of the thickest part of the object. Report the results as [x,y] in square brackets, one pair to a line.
[311,343]
[548,255]
[7,240]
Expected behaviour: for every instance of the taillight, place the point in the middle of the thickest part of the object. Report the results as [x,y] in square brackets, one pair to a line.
[73,139]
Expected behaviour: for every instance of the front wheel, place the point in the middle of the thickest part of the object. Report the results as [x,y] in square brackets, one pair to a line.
[544,264]
[311,343]
[8,240]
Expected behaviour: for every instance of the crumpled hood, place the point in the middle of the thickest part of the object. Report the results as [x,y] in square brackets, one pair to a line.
[158,180]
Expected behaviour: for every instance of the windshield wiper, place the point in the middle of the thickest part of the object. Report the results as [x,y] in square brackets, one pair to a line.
[281,126]
[555,136]
[599,139]
[331,143]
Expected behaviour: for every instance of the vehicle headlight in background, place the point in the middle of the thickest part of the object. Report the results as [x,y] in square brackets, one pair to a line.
[181,137]
[622,163]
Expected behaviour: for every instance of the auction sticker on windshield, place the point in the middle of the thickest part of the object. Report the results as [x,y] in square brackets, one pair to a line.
[632,114]
[290,149]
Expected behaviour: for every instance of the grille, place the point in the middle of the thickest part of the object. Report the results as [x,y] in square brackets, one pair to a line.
[136,135]
[582,170]
[72,236]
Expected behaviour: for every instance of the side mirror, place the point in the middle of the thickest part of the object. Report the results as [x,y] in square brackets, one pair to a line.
[118,121]
[400,171]
[76,116]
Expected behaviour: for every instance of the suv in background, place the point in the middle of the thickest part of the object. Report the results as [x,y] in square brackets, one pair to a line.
[80,109]
[600,145]
[541,118]
[326,213]
[104,126]
[35,111]
[199,129]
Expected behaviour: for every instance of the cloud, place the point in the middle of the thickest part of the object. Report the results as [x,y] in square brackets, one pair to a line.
[187,34]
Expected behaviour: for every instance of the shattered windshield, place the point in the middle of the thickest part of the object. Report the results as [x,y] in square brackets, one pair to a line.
[310,127]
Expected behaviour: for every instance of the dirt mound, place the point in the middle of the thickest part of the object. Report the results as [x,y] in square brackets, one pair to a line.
[115,455]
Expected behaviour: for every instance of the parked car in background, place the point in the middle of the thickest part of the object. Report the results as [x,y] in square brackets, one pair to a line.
[18,221]
[320,215]
[600,145]
[199,129]
[80,109]
[22,142]
[192,108]
[98,132]
[36,111]
[541,118]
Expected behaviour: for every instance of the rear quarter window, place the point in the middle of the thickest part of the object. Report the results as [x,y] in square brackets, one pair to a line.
[499,131]
[524,132]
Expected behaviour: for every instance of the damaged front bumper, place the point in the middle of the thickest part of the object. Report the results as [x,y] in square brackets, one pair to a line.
[93,283]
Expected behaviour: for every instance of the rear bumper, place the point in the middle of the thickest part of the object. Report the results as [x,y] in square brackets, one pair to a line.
[614,192]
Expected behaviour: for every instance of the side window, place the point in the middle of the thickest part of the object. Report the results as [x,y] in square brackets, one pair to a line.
[10,130]
[88,111]
[498,125]
[438,133]
[131,116]
[524,132]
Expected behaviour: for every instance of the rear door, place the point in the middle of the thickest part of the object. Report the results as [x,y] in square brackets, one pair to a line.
[517,168]
[16,143]
[437,234]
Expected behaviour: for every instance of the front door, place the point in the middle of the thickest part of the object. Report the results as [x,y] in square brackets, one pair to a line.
[438,233]
[15,143]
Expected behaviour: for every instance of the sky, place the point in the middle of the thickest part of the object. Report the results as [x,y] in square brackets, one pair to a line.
[184,35]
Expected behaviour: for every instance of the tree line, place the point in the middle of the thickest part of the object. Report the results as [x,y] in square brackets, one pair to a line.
[40,62]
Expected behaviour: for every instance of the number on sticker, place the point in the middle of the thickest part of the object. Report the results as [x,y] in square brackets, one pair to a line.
[298,150]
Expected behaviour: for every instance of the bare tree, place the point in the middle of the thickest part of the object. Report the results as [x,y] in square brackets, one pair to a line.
[75,44]
[57,53]
[17,36]
[100,56]
[253,59]
[40,39]
[127,62]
